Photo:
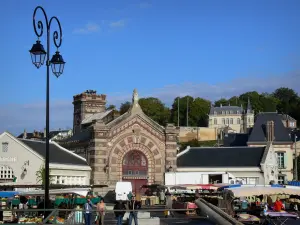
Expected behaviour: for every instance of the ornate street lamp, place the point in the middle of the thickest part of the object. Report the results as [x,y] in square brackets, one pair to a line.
[38,56]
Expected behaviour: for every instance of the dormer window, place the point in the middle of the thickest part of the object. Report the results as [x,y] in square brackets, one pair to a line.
[215,112]
[223,112]
[238,112]
[227,112]
[231,112]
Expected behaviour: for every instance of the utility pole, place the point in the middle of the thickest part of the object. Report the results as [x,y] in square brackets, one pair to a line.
[187,111]
[296,161]
[178,111]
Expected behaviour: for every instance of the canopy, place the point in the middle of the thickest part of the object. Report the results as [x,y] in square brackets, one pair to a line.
[200,186]
[8,194]
[78,191]
[260,190]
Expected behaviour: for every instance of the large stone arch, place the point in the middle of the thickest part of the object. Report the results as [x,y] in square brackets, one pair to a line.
[126,144]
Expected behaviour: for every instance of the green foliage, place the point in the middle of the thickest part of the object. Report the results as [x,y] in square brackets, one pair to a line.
[283,100]
[111,107]
[155,109]
[41,175]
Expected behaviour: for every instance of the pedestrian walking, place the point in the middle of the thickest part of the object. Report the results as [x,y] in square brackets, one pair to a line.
[88,210]
[100,212]
[169,205]
[120,213]
[132,206]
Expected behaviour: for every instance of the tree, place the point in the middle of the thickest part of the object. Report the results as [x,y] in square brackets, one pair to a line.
[110,107]
[222,101]
[288,100]
[41,175]
[198,109]
[155,109]
[124,107]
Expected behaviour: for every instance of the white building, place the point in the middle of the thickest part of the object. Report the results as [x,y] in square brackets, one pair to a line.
[246,165]
[20,159]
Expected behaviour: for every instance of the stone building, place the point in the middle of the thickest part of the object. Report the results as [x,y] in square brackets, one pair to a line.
[233,118]
[131,147]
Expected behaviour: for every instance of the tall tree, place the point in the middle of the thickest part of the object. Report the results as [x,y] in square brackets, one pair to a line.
[288,100]
[124,107]
[155,109]
[41,175]
[192,112]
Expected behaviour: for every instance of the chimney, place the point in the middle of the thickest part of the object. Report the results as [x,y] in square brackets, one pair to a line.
[24,134]
[44,132]
[270,131]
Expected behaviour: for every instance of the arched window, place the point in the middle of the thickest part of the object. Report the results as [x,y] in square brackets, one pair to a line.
[135,164]
[6,173]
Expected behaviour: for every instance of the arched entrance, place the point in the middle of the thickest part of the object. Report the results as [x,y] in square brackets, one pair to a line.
[135,170]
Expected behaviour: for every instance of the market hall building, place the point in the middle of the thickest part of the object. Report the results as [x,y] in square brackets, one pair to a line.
[129,147]
[22,159]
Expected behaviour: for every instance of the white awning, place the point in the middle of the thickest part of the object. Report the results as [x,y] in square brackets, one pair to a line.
[260,190]
[78,191]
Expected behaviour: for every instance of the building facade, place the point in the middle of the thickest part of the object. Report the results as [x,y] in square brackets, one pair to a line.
[131,147]
[21,159]
[197,133]
[234,118]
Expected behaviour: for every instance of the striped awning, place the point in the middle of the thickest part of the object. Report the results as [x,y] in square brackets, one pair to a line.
[135,177]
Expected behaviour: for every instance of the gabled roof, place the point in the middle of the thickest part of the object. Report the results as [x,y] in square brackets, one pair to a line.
[58,154]
[221,157]
[84,135]
[258,134]
[96,116]
[287,117]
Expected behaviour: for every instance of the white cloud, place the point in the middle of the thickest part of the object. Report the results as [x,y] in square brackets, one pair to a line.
[61,112]
[88,28]
[117,24]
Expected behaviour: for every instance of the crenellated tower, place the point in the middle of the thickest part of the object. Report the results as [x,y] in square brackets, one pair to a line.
[85,105]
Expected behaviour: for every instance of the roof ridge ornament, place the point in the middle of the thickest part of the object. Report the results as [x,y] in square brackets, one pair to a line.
[135,97]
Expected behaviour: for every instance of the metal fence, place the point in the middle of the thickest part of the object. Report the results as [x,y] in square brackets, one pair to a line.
[145,216]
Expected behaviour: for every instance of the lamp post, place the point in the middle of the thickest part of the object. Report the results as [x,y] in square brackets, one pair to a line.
[38,55]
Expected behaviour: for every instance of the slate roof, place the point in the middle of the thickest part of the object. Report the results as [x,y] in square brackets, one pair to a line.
[221,157]
[40,135]
[258,134]
[96,116]
[82,136]
[57,154]
[218,110]
[235,139]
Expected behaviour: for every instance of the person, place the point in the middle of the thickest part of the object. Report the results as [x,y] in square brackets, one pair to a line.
[278,206]
[169,205]
[133,205]
[162,197]
[101,211]
[119,214]
[88,210]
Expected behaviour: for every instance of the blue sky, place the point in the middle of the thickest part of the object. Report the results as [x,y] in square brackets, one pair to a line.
[167,48]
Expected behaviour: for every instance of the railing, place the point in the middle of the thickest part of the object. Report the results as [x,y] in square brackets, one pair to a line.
[154,216]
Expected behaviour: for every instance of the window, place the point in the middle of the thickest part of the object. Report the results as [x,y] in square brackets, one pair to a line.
[227,121]
[6,173]
[227,112]
[215,121]
[238,112]
[58,180]
[223,112]
[223,121]
[215,112]
[281,179]
[238,121]
[249,120]
[231,121]
[247,180]
[292,124]
[231,112]
[280,160]
[4,146]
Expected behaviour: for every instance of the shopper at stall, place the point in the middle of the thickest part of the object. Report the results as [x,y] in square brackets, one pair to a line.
[88,210]
[120,213]
[278,206]
[101,211]
[133,205]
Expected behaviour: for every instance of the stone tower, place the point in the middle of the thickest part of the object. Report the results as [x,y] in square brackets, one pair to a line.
[85,105]
[248,117]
